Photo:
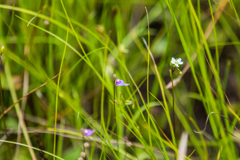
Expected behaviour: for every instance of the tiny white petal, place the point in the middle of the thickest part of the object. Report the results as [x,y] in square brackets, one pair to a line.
[180,62]
[176,65]
[179,59]
[173,60]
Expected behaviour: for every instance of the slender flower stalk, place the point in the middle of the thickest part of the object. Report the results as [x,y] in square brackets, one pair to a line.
[2,105]
[117,82]
[86,133]
[174,125]
[114,109]
[125,140]
[174,63]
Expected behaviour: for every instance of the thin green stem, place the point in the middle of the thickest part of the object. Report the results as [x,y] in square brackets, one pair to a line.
[174,125]
[84,148]
[4,123]
[5,128]
[148,61]
[114,110]
[174,122]
[125,149]
[56,107]
[114,96]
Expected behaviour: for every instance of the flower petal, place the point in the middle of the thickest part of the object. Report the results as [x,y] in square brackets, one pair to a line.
[180,62]
[87,132]
[173,61]
[119,82]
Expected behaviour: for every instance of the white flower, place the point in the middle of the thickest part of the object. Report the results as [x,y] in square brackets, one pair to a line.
[176,62]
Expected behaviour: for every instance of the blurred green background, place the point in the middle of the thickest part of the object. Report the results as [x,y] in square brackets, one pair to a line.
[92,40]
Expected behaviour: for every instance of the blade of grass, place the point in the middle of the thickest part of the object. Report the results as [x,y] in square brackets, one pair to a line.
[56,107]
[17,108]
[149,125]
[30,147]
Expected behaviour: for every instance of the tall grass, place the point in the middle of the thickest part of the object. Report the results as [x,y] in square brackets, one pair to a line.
[84,43]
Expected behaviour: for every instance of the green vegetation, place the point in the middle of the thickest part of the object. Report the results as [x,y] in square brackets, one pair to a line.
[59,65]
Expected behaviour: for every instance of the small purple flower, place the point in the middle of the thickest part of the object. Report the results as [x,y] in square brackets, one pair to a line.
[87,132]
[120,82]
[125,138]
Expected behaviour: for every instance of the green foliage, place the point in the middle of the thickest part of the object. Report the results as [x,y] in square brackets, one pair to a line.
[85,43]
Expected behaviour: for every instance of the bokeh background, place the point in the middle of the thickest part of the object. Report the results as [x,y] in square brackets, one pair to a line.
[105,38]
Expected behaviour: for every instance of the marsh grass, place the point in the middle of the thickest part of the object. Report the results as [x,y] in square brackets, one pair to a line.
[84,44]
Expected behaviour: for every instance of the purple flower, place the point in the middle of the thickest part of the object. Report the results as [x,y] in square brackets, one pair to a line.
[125,138]
[87,132]
[120,82]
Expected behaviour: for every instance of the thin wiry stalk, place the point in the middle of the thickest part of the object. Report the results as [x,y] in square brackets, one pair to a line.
[174,122]
[2,105]
[56,107]
[207,121]
[149,124]
[114,109]
[125,141]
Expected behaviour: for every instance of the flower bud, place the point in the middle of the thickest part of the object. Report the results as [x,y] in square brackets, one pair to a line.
[180,72]
[83,154]
[46,22]
[86,144]
[80,158]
